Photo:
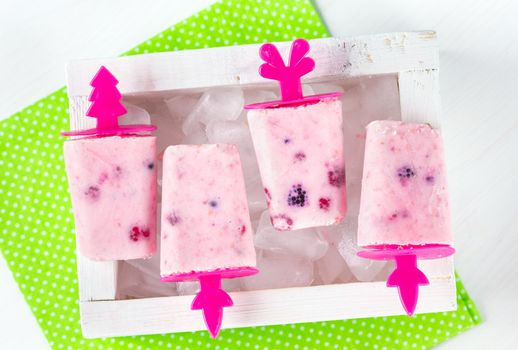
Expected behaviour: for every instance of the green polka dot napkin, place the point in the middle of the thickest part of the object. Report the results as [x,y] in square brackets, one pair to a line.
[37,232]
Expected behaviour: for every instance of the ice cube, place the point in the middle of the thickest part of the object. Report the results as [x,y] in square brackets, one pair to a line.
[331,265]
[135,115]
[180,106]
[279,271]
[216,104]
[256,197]
[236,133]
[332,233]
[305,243]
[195,137]
[365,270]
[231,132]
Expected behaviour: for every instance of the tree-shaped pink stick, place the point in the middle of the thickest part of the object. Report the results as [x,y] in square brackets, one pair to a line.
[105,98]
[106,107]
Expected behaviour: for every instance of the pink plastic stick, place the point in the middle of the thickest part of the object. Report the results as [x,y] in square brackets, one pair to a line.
[407,278]
[212,299]
[107,108]
[105,98]
[288,76]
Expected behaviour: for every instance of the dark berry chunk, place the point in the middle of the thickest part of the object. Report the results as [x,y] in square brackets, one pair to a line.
[430,179]
[150,165]
[213,203]
[134,233]
[287,140]
[398,214]
[297,196]
[324,203]
[405,172]
[267,193]
[336,177]
[93,192]
[173,219]
[300,156]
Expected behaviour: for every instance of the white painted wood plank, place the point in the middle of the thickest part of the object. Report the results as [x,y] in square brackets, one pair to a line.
[267,307]
[97,279]
[236,65]
[419,96]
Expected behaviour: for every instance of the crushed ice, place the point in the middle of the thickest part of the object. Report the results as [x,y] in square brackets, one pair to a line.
[314,256]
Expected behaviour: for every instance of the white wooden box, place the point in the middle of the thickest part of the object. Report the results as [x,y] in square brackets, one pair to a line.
[411,57]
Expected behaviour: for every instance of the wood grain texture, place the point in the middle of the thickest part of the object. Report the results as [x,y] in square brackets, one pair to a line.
[195,69]
[267,307]
[419,97]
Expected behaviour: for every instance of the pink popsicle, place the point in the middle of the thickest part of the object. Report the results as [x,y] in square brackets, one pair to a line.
[299,146]
[206,230]
[112,178]
[112,183]
[404,211]
[404,196]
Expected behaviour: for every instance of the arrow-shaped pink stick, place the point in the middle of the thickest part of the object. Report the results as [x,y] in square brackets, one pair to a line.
[211,299]
[407,278]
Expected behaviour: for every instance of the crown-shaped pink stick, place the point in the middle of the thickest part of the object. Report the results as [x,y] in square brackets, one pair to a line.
[288,76]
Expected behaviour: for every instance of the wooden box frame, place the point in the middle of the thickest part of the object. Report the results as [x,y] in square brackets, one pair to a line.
[412,56]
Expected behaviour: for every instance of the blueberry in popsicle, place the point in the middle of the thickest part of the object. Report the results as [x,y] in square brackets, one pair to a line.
[299,145]
[206,230]
[404,208]
[112,179]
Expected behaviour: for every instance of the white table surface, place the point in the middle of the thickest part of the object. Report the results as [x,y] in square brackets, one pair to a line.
[479,75]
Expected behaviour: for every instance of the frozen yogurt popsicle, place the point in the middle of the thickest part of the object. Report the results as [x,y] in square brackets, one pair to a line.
[404,210]
[299,146]
[112,179]
[206,230]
